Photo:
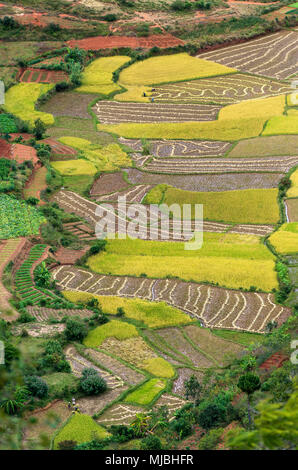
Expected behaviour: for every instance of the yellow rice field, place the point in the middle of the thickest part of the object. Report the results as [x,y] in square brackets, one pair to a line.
[285,240]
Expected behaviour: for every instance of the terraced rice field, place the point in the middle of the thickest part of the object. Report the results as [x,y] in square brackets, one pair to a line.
[108,183]
[78,363]
[214,306]
[221,165]
[292,209]
[120,413]
[43,314]
[43,76]
[180,148]
[60,149]
[111,112]
[222,90]
[271,56]
[73,203]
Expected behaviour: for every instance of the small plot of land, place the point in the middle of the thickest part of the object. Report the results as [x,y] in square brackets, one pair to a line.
[37,183]
[48,422]
[197,182]
[110,42]
[180,148]
[219,165]
[43,314]
[78,363]
[128,375]
[68,256]
[58,149]
[22,153]
[38,330]
[292,209]
[10,51]
[120,413]
[133,194]
[271,56]
[111,112]
[43,76]
[214,306]
[222,90]
[173,403]
[266,146]
[79,229]
[108,183]
[184,374]
[69,104]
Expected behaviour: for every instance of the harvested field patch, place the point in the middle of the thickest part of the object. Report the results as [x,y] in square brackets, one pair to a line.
[68,103]
[266,146]
[112,112]
[216,347]
[78,363]
[183,375]
[119,413]
[82,231]
[214,306]
[271,56]
[170,68]
[173,403]
[127,374]
[108,183]
[110,42]
[43,314]
[292,209]
[146,392]
[245,206]
[223,90]
[133,194]
[176,148]
[225,165]
[39,330]
[98,76]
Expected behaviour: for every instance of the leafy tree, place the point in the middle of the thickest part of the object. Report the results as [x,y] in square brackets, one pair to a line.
[120,312]
[91,383]
[39,129]
[37,386]
[151,443]
[249,383]
[211,416]
[193,389]
[140,424]
[75,330]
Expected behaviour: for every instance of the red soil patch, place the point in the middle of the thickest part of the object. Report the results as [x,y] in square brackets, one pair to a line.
[34,75]
[58,148]
[5,149]
[21,153]
[110,42]
[15,135]
[251,3]
[42,20]
[67,256]
[276,361]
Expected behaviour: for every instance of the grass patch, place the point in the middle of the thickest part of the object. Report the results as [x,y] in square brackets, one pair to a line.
[238,337]
[98,76]
[146,392]
[152,314]
[275,145]
[230,260]
[159,367]
[80,428]
[293,191]
[113,329]
[240,206]
[107,158]
[58,381]
[285,240]
[171,68]
[20,100]
[74,167]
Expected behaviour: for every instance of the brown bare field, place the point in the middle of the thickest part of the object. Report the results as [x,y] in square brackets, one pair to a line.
[270,56]
[69,104]
[202,182]
[221,90]
[94,404]
[68,256]
[108,183]
[112,112]
[292,209]
[48,421]
[132,350]
[275,145]
[215,307]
